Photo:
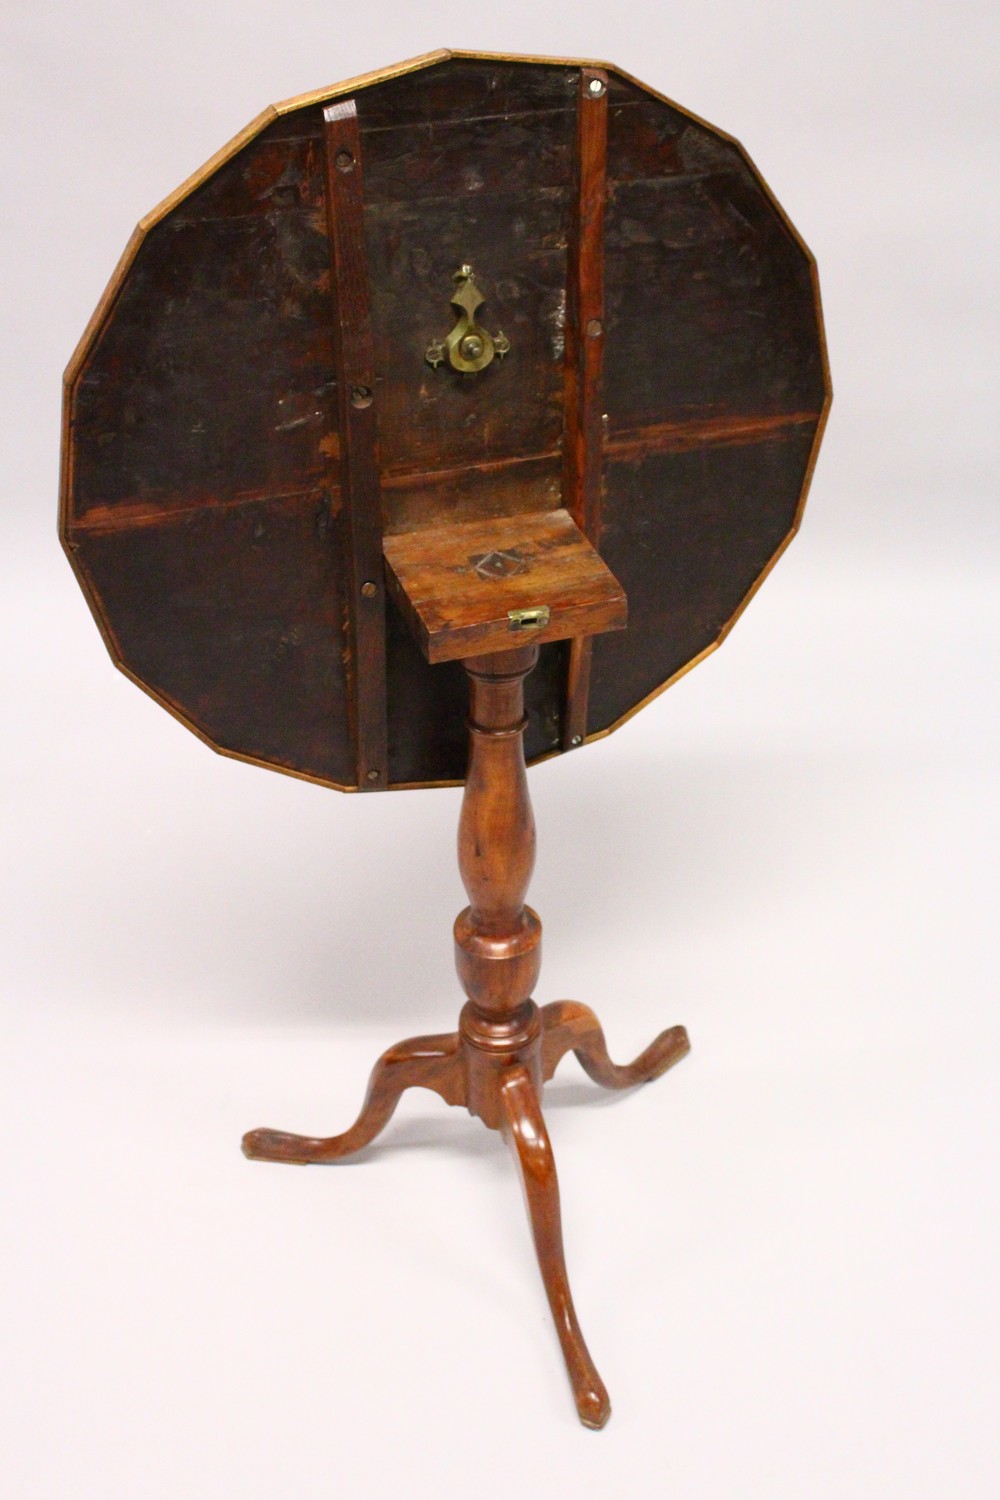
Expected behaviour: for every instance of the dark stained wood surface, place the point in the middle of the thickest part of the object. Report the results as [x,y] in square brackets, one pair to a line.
[457,584]
[206,398]
[681,569]
[418,738]
[442,194]
[255,665]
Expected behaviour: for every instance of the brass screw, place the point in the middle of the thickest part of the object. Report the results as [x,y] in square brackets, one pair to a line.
[369,589]
[472,346]
[595,328]
[344,161]
[595,88]
[374,775]
[361,396]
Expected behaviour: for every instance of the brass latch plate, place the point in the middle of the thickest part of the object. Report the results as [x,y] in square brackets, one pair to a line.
[529,619]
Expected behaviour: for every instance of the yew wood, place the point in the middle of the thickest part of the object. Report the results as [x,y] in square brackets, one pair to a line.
[584,416]
[524,1130]
[505,1047]
[354,350]
[568,1026]
[427,1062]
[457,584]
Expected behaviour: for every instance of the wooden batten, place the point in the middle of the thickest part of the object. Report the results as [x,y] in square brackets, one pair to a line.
[582,450]
[354,353]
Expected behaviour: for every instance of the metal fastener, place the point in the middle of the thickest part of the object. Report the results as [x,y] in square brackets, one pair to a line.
[361,396]
[535,618]
[468,347]
[369,589]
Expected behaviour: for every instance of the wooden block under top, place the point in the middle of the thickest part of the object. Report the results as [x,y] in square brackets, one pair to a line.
[458,584]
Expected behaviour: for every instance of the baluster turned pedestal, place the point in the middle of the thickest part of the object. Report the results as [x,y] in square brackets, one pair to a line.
[506,1047]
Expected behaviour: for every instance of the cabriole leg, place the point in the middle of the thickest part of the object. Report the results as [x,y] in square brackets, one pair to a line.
[524,1131]
[428,1062]
[568,1026]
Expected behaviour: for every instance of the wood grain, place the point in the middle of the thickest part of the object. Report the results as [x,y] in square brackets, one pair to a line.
[568,1026]
[443,580]
[427,1062]
[357,407]
[505,1046]
[256,666]
[205,390]
[523,1127]
[681,566]
[585,359]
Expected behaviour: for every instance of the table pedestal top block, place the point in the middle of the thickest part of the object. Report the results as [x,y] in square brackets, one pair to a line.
[482,586]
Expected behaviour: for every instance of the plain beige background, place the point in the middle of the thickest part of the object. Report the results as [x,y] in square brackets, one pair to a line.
[785,1253]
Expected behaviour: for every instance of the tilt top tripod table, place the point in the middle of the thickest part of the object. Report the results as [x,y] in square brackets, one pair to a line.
[436,425]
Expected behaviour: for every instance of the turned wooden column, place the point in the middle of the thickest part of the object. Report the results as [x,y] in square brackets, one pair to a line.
[505,1047]
[497,937]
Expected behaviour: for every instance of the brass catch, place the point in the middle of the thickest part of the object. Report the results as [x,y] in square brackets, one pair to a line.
[468,347]
[529,619]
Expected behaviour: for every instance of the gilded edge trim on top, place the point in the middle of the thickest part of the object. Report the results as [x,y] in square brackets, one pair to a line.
[219,158]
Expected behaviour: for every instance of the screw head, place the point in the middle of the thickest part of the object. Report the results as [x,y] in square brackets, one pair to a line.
[595,88]
[595,328]
[472,346]
[577,740]
[361,396]
[374,775]
[369,589]
[344,161]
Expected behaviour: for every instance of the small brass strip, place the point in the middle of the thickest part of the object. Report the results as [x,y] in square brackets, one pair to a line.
[529,619]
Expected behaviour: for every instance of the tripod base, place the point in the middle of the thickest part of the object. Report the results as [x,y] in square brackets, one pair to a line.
[498,1073]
